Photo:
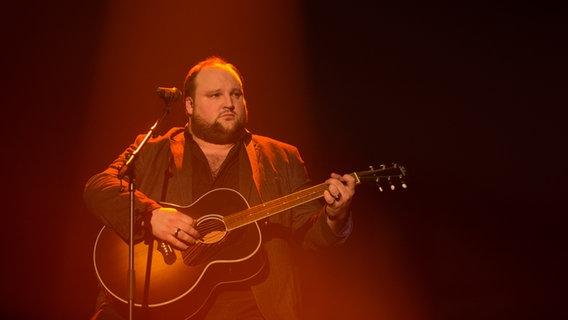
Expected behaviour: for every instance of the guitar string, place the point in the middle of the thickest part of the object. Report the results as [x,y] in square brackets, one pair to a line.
[276,205]
[258,211]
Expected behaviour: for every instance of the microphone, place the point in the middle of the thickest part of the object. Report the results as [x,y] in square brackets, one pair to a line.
[169,94]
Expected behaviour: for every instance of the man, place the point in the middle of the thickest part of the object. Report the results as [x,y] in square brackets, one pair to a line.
[216,152]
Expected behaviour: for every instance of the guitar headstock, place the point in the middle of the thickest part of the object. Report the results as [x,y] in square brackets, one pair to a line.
[384,176]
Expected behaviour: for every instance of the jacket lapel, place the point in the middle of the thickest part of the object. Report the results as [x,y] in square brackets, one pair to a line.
[253,152]
[177,144]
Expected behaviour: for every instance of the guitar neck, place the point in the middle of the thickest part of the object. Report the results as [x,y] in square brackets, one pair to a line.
[272,207]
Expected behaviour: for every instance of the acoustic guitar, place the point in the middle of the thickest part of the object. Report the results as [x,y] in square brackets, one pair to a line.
[176,284]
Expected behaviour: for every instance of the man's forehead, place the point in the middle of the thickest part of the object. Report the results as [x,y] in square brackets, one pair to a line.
[210,72]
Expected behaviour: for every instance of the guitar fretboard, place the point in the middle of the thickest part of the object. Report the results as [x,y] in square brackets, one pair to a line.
[267,209]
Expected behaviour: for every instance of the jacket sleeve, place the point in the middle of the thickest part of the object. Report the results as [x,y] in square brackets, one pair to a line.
[108,198]
[309,220]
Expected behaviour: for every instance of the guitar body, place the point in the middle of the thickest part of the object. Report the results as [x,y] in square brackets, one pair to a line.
[178,286]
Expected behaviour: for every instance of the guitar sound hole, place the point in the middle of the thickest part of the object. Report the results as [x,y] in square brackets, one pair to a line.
[212,229]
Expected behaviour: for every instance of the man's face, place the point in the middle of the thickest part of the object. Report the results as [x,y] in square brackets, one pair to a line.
[218,112]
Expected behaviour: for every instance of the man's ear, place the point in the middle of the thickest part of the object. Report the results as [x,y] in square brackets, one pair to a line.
[189,105]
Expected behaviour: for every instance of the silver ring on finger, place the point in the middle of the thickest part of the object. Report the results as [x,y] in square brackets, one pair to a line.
[177,232]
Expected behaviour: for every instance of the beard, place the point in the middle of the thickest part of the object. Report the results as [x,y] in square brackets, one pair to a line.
[215,132]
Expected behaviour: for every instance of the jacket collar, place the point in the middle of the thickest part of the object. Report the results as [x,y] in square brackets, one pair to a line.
[177,143]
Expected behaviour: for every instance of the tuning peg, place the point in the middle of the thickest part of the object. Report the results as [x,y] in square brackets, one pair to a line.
[378,182]
[389,182]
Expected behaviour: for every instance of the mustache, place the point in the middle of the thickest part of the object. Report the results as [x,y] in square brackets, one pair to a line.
[228,112]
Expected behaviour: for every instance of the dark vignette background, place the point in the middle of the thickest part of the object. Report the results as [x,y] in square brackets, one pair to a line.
[470,98]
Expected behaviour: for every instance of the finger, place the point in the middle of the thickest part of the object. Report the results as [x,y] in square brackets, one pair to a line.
[176,242]
[176,233]
[335,176]
[329,199]
[184,221]
[189,235]
[192,233]
[346,185]
[335,188]
[336,196]
[348,179]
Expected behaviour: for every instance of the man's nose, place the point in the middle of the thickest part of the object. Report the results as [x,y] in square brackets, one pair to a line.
[230,102]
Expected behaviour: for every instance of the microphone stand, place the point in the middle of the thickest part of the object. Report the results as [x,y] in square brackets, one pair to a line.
[128,170]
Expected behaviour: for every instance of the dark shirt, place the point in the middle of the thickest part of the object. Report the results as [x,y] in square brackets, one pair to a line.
[202,179]
[237,299]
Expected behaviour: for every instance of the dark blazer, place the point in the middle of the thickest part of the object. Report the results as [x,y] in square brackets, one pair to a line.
[272,169]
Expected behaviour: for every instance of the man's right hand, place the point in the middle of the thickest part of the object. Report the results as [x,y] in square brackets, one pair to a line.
[174,227]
